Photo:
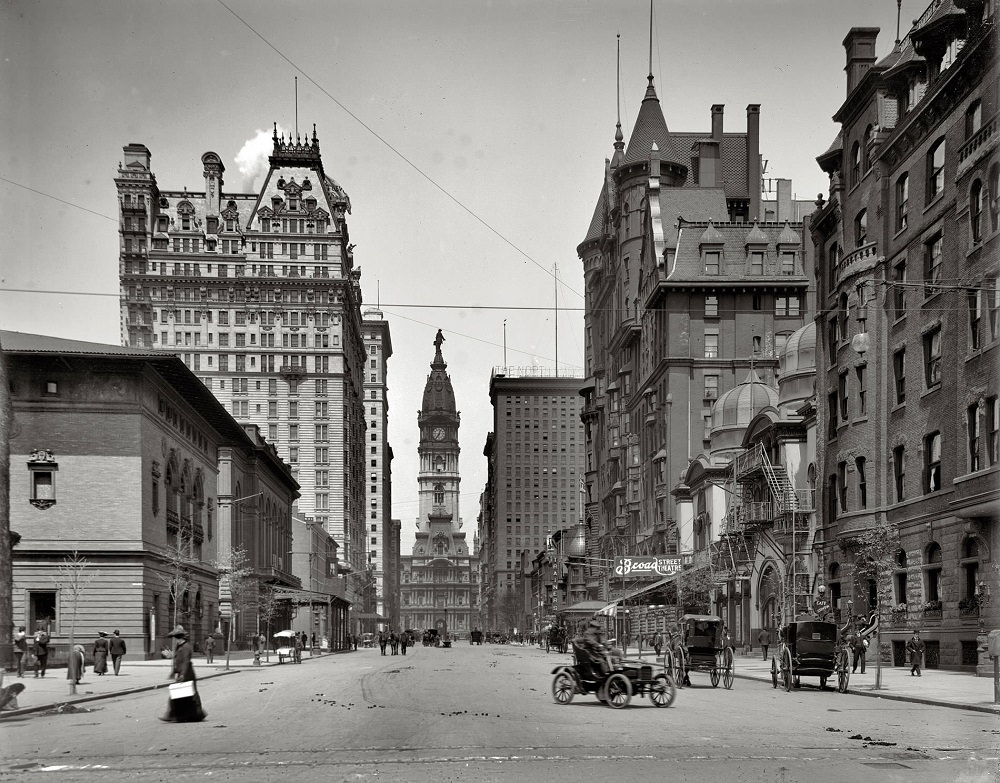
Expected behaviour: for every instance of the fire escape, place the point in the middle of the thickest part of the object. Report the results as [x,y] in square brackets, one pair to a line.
[768,514]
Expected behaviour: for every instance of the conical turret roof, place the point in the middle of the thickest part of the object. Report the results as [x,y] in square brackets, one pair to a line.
[650,128]
[439,396]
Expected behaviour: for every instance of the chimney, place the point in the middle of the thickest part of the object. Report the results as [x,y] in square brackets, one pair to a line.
[784,200]
[136,153]
[860,47]
[717,121]
[754,183]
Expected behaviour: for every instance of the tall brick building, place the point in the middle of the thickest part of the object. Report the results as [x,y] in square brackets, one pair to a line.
[259,294]
[909,327]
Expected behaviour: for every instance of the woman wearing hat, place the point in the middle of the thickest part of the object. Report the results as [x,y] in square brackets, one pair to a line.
[101,654]
[187,709]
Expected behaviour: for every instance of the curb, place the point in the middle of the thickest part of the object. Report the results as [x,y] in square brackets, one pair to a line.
[989,710]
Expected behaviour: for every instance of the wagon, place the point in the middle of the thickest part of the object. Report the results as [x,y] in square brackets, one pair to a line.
[704,649]
[810,648]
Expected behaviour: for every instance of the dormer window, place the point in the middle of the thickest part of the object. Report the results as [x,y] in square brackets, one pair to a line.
[713,259]
[757,262]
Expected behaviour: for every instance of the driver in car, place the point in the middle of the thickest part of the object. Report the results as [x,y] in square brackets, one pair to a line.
[591,642]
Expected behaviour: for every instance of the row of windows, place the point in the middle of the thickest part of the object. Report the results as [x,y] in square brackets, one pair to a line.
[714,262]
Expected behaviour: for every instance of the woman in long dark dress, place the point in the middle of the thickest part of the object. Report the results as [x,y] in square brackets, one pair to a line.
[187,709]
[101,654]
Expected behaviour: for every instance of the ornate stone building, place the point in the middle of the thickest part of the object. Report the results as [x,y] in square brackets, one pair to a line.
[440,579]
[259,294]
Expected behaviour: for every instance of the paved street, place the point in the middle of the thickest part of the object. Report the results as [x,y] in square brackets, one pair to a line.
[485,713]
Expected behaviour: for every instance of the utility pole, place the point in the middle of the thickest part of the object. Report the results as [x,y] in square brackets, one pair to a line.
[6,542]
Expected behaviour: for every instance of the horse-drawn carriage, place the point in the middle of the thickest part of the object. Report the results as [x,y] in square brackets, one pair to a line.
[810,648]
[702,648]
[614,683]
[555,639]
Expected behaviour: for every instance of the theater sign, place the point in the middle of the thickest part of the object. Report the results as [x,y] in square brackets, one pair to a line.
[651,567]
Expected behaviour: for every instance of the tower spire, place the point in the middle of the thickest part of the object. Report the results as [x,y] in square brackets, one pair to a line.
[619,138]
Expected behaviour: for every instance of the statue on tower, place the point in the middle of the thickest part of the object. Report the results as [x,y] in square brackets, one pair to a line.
[438,340]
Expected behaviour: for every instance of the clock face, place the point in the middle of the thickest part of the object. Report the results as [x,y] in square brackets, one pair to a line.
[438,433]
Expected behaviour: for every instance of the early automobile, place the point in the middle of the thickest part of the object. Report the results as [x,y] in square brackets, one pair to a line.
[614,683]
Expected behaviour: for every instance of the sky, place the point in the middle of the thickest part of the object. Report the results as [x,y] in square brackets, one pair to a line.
[470,136]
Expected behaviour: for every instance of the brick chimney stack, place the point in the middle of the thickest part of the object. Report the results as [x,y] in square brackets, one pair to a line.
[860,47]
[754,183]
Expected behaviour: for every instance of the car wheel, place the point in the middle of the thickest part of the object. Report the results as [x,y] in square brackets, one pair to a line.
[618,691]
[663,691]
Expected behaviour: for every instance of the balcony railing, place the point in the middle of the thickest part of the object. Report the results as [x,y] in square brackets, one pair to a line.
[982,141]
[862,257]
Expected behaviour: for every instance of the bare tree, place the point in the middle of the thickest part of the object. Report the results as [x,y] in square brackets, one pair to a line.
[238,584]
[74,578]
[877,548]
[267,610]
[178,578]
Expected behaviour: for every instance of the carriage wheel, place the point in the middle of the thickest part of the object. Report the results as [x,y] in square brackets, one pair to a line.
[786,670]
[679,670]
[774,673]
[727,673]
[563,688]
[714,676]
[663,691]
[843,678]
[618,691]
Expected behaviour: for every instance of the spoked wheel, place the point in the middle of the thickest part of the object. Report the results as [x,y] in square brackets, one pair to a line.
[618,691]
[786,671]
[663,691]
[678,670]
[714,676]
[843,678]
[774,673]
[563,688]
[727,672]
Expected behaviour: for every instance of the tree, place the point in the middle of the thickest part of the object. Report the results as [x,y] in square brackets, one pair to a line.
[877,549]
[267,610]
[238,584]
[178,579]
[74,578]
[509,611]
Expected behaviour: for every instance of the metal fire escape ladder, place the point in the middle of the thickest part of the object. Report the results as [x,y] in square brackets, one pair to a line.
[779,483]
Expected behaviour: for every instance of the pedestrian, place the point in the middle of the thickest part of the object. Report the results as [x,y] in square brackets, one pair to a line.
[860,647]
[101,654]
[354,640]
[75,666]
[116,648]
[404,640]
[298,648]
[41,651]
[209,649]
[383,641]
[20,649]
[658,644]
[187,708]
[764,640]
[915,649]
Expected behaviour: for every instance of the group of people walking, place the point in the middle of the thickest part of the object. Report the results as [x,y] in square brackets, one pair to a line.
[34,651]
[394,641]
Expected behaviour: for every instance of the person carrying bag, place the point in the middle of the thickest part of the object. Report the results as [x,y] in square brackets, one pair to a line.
[184,704]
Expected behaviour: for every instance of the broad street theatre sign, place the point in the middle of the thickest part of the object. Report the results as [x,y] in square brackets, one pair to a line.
[653,567]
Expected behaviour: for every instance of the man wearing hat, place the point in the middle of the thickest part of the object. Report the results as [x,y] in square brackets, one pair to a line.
[915,649]
[591,642]
[186,709]
[116,648]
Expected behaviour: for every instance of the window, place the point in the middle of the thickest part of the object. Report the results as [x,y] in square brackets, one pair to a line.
[712,258]
[859,466]
[902,201]
[42,469]
[862,372]
[932,572]
[899,472]
[756,262]
[932,462]
[993,201]
[842,394]
[973,119]
[861,228]
[788,262]
[42,610]
[900,578]
[972,428]
[831,411]
[711,342]
[993,436]
[834,258]
[899,288]
[711,387]
[855,164]
[992,291]
[899,374]
[786,305]
[975,319]
[935,170]
[711,307]
[831,498]
[842,485]
[932,357]
[976,211]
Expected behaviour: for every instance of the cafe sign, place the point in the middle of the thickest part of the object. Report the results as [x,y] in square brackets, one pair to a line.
[655,566]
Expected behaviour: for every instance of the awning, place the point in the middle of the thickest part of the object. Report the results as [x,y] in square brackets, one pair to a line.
[585,608]
[369,616]
[611,610]
[647,588]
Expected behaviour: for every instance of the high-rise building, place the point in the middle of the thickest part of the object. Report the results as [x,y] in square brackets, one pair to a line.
[908,334]
[536,455]
[439,586]
[692,284]
[382,564]
[259,295]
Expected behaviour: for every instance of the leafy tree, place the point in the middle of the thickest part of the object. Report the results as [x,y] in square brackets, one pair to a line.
[877,549]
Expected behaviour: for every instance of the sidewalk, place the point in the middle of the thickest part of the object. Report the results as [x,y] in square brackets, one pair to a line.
[52,691]
[936,686]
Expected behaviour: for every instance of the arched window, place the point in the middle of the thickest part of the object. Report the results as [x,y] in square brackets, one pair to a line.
[866,152]
[935,170]
[439,494]
[902,200]
[932,572]
[855,164]
[976,211]
[834,262]
[993,196]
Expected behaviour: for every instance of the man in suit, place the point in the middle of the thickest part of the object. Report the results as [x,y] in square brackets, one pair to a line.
[116,649]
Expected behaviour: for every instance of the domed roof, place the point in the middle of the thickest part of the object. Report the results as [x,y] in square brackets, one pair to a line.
[799,354]
[711,236]
[740,404]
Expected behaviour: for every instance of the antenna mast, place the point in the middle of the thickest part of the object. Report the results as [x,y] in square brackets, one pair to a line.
[296,108]
[555,292]
[899,3]
[650,38]
[505,345]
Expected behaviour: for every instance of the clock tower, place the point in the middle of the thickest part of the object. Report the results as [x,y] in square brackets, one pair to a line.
[438,421]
